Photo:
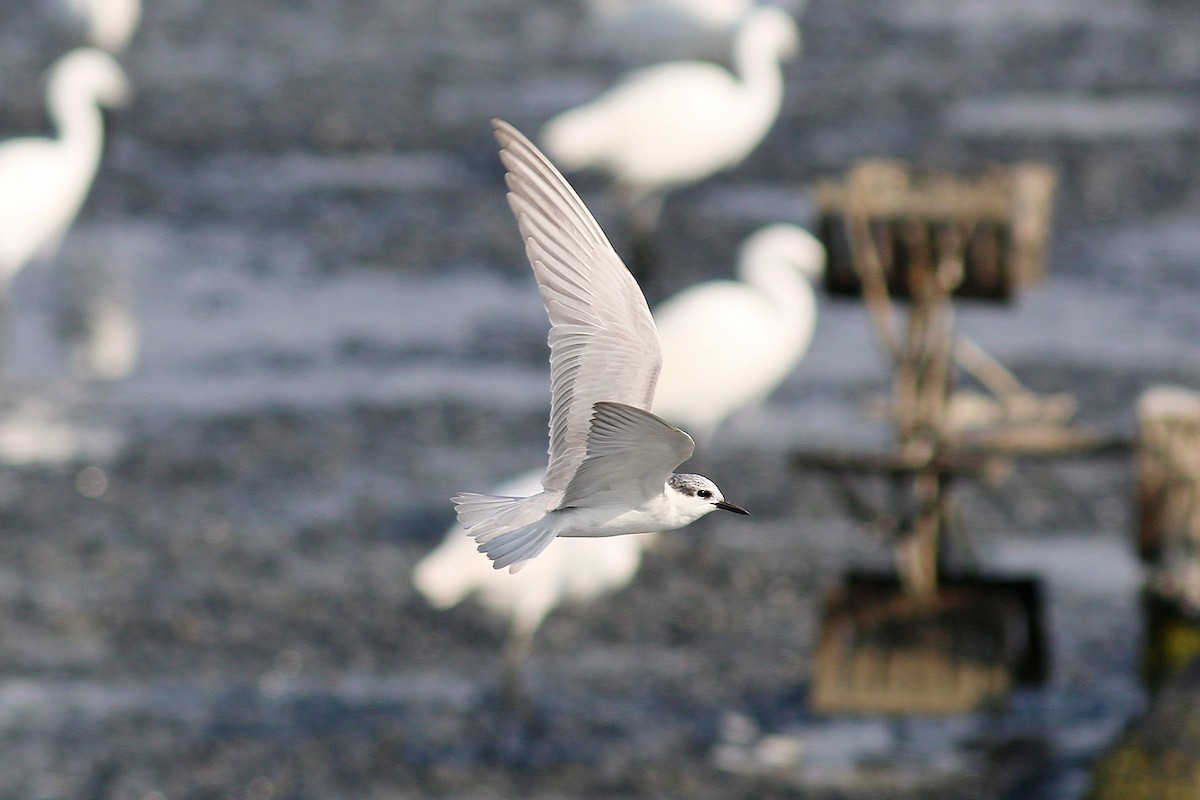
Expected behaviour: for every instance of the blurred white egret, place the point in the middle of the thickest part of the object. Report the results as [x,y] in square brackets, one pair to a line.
[572,569]
[728,344]
[110,23]
[44,181]
[678,123]
[769,321]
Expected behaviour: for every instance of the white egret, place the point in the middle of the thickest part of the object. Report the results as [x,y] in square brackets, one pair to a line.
[571,569]
[44,181]
[678,123]
[777,264]
[728,344]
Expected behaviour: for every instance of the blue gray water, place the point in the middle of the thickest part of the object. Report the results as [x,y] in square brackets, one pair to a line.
[304,212]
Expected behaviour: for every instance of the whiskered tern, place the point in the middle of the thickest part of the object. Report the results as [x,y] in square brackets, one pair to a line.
[612,462]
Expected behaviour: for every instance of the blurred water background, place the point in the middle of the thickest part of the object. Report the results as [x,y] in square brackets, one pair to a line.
[204,564]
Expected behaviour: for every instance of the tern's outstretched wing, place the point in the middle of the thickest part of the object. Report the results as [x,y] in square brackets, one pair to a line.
[603,344]
[630,455]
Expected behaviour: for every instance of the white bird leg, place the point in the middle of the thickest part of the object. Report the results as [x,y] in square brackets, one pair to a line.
[516,654]
[645,211]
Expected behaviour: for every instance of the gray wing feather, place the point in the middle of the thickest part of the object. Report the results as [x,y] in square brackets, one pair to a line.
[603,343]
[630,455]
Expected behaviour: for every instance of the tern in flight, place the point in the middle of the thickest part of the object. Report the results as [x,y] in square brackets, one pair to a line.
[612,462]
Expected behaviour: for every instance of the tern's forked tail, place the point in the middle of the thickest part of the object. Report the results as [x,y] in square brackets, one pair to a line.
[510,530]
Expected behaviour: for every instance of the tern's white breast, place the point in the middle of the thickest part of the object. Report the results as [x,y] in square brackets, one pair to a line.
[659,513]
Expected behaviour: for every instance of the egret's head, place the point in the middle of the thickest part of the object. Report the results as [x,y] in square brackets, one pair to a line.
[696,494]
[92,72]
[772,30]
[782,243]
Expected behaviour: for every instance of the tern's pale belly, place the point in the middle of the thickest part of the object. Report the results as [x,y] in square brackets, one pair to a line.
[657,515]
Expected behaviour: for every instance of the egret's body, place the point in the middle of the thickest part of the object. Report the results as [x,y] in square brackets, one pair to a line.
[44,181]
[571,569]
[611,462]
[777,263]
[755,329]
[678,123]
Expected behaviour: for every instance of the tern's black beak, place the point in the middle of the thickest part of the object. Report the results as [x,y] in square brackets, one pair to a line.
[731,507]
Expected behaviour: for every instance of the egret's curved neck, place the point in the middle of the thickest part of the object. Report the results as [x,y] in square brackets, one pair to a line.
[758,68]
[794,306]
[77,118]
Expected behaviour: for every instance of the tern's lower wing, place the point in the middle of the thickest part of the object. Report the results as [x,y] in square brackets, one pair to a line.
[630,455]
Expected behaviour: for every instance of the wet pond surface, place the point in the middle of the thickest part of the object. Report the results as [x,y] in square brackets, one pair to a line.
[204,566]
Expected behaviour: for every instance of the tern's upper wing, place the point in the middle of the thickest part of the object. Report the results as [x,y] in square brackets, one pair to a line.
[603,344]
[630,455]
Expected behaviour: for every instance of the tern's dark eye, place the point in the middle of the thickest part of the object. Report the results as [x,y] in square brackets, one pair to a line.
[705,493]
